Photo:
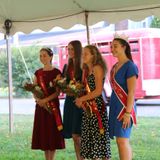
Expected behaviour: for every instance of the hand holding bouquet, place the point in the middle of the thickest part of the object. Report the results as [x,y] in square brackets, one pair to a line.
[90,107]
[35,89]
[37,92]
[41,94]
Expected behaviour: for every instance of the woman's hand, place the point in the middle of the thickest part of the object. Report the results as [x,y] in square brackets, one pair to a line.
[126,119]
[78,102]
[34,96]
[42,102]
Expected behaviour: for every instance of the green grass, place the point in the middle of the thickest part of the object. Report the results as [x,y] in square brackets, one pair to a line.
[17,146]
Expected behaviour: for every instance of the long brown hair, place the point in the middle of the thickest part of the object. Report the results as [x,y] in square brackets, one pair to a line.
[97,58]
[77,46]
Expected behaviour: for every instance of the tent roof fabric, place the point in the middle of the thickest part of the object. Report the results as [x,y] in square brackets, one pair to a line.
[27,15]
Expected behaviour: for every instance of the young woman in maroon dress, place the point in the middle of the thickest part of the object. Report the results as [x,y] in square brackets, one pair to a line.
[46,134]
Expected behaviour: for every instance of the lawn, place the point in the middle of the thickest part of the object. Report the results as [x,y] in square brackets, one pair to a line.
[145,141]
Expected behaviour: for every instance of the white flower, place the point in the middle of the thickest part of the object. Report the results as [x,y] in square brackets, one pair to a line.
[37,88]
[50,84]
[72,86]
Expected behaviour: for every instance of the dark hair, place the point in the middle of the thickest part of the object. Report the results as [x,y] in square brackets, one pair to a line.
[48,50]
[128,48]
[77,46]
[97,57]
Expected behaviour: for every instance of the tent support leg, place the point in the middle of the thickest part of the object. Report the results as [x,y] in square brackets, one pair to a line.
[7,26]
[87,27]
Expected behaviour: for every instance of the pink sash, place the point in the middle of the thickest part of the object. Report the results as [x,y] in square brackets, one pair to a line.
[122,96]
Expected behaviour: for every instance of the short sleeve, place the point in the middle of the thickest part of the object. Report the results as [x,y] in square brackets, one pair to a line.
[64,70]
[132,70]
[58,71]
[37,71]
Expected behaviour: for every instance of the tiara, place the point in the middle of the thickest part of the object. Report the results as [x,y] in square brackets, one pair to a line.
[48,49]
[121,36]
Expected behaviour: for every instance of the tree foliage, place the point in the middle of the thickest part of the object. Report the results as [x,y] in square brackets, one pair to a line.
[155,23]
[19,72]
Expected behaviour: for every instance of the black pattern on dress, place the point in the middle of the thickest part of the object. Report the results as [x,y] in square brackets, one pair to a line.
[93,144]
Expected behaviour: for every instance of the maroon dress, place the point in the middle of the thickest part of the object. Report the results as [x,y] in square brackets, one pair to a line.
[46,136]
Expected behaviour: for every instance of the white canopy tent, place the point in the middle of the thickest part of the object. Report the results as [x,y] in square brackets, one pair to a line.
[27,15]
[45,14]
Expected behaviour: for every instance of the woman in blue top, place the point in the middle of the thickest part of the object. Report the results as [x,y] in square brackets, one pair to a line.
[72,115]
[122,106]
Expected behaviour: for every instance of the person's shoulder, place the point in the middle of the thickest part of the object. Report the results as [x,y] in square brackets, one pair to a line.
[129,62]
[57,70]
[97,69]
[132,64]
[132,68]
[65,65]
[38,70]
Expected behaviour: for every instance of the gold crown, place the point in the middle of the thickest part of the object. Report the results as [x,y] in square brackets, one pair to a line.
[121,36]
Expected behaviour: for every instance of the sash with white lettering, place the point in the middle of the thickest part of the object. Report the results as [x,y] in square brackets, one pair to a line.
[122,96]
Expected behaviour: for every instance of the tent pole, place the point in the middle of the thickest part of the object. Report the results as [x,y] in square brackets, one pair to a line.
[8,25]
[87,27]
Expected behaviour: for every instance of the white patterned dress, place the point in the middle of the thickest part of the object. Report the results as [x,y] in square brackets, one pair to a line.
[94,144]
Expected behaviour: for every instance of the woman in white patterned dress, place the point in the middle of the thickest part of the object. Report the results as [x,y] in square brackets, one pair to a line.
[95,142]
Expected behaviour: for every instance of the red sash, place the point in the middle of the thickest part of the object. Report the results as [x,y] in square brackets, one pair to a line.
[93,106]
[71,72]
[122,96]
[51,104]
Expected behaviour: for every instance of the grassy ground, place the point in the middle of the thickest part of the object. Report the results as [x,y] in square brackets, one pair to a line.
[16,146]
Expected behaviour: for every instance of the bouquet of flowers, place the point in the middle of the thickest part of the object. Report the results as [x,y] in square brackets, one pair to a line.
[35,89]
[37,92]
[59,82]
[40,91]
[74,88]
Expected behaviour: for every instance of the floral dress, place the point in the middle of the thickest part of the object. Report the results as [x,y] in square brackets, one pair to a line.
[94,144]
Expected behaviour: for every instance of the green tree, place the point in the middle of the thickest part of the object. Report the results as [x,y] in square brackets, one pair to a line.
[3,69]
[19,72]
[155,23]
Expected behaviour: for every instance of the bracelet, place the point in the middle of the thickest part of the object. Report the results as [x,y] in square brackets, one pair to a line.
[127,114]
